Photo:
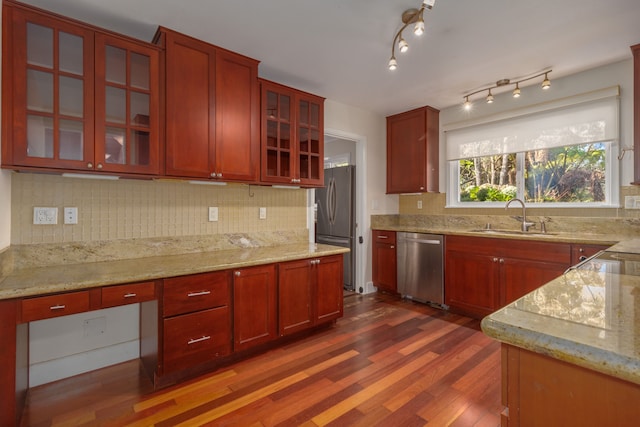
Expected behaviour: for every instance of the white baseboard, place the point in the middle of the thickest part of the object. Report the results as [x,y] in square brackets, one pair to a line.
[68,366]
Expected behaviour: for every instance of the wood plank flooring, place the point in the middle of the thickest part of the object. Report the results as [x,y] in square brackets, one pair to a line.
[387,362]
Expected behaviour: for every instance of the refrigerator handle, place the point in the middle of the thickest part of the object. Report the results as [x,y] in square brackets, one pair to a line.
[328,200]
[333,201]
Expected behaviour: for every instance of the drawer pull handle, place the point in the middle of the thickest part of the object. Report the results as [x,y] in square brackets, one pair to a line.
[198,294]
[383,237]
[195,340]
[130,295]
[58,307]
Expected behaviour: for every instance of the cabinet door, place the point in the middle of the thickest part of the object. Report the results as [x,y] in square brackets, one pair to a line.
[310,140]
[127,106]
[471,282]
[519,277]
[190,96]
[295,296]
[412,151]
[277,135]
[51,92]
[328,288]
[254,306]
[384,261]
[237,113]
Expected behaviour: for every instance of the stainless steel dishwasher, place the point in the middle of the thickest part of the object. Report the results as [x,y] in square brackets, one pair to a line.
[420,267]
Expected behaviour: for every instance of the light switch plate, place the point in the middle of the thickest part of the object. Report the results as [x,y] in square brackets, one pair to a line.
[419,204]
[45,215]
[263,213]
[632,202]
[213,213]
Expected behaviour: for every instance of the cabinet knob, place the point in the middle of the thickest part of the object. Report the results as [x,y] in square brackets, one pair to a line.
[422,188]
[494,259]
[99,166]
[501,261]
[90,165]
[219,175]
[581,250]
[212,174]
[237,273]
[392,247]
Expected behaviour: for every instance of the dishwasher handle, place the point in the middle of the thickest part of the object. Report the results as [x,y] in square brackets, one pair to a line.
[427,241]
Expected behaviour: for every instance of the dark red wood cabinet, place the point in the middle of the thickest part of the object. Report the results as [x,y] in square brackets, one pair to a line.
[384,261]
[412,151]
[212,110]
[484,274]
[292,136]
[635,50]
[76,97]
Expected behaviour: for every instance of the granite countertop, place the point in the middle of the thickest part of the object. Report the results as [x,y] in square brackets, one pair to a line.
[42,280]
[590,316]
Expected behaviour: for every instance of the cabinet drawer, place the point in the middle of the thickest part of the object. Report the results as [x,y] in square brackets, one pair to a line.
[54,306]
[187,294]
[195,338]
[384,236]
[113,296]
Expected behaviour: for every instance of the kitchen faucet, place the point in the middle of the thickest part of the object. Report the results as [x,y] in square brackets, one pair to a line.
[525,225]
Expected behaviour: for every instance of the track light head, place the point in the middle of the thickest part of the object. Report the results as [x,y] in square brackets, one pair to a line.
[467,104]
[403,45]
[489,97]
[546,83]
[516,91]
[393,64]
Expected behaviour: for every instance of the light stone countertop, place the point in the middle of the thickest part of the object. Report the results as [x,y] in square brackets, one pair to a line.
[67,277]
[589,317]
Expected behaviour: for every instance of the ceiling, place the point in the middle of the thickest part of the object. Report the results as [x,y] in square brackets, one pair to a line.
[339,49]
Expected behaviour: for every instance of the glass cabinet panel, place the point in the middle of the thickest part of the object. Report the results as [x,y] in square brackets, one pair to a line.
[115,146]
[71,57]
[39,136]
[310,159]
[116,65]
[39,91]
[116,105]
[71,96]
[71,140]
[39,45]
[139,71]
[277,137]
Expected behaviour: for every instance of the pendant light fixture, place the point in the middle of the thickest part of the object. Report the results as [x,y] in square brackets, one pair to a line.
[410,16]
[546,84]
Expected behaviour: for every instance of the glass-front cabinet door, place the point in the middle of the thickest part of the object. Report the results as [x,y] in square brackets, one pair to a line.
[310,140]
[52,93]
[277,134]
[127,106]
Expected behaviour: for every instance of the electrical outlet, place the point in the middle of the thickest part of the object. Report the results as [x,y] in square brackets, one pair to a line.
[419,204]
[263,213]
[45,215]
[213,213]
[70,215]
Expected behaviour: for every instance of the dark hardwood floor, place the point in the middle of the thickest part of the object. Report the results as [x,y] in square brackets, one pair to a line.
[387,362]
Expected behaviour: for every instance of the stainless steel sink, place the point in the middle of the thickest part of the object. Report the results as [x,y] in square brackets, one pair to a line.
[518,232]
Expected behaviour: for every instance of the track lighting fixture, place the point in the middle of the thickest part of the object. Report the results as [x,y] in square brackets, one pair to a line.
[546,84]
[410,16]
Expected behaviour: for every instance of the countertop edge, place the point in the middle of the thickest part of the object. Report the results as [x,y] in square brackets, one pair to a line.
[598,360]
[73,277]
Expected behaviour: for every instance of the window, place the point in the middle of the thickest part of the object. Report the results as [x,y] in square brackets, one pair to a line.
[560,156]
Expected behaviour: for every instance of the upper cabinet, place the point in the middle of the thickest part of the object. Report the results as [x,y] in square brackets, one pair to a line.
[636,113]
[292,136]
[412,151]
[77,98]
[212,110]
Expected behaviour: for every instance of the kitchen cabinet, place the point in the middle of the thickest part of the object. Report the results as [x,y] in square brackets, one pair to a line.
[484,274]
[635,50]
[292,136]
[538,390]
[412,151]
[255,319]
[384,261]
[309,293]
[212,110]
[196,320]
[581,252]
[76,97]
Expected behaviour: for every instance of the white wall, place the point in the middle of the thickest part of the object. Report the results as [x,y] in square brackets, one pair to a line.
[619,73]
[372,127]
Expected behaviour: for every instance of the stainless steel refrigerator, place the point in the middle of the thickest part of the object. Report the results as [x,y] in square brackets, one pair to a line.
[336,223]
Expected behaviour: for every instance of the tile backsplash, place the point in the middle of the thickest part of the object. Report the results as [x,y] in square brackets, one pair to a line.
[128,209]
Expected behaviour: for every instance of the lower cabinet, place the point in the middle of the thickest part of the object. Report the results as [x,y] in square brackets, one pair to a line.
[484,274]
[383,259]
[196,320]
[538,390]
[309,293]
[254,306]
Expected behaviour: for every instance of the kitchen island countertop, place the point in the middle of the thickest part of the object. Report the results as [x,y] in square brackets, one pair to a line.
[32,281]
[589,316]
